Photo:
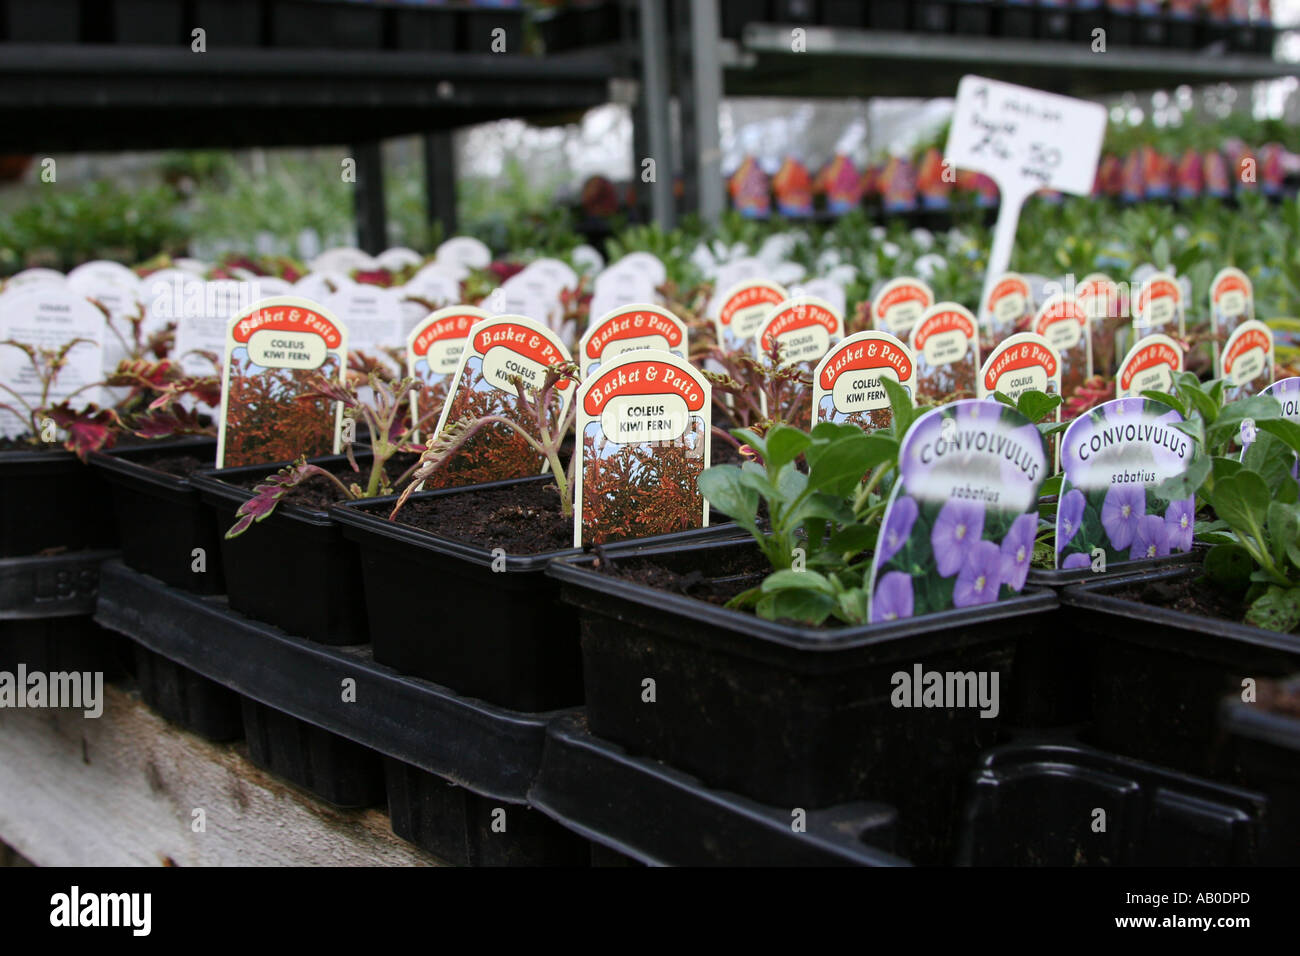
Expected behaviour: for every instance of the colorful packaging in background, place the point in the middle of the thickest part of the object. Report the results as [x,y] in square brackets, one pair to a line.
[749,190]
[1217,183]
[933,181]
[1271,171]
[842,184]
[793,188]
[898,186]
[1189,175]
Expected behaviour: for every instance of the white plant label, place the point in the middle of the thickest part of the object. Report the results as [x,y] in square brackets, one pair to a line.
[1150,366]
[632,328]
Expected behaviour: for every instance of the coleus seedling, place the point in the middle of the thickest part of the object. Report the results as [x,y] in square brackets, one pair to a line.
[747,386]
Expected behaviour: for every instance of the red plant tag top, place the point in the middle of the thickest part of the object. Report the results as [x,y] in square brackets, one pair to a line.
[1244,342]
[937,323]
[631,323]
[1229,284]
[642,377]
[1017,356]
[287,318]
[864,356]
[522,340]
[451,327]
[1006,288]
[1146,357]
[795,316]
[747,298]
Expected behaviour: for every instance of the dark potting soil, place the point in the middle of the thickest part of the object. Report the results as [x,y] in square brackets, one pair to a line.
[727,574]
[522,519]
[317,493]
[1189,595]
[179,466]
[1280,697]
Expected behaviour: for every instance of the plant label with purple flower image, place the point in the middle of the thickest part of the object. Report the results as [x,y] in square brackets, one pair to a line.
[799,330]
[269,413]
[1287,392]
[643,424]
[373,316]
[47,318]
[1232,302]
[1020,363]
[959,527]
[631,328]
[744,307]
[1010,301]
[1150,366]
[504,353]
[1158,307]
[1113,458]
[433,351]
[1246,365]
[899,305]
[1063,322]
[946,344]
[846,383]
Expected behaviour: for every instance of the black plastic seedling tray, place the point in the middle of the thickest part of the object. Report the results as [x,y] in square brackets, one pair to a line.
[653,814]
[49,499]
[888,14]
[326,24]
[229,24]
[58,585]
[502,635]
[1037,804]
[490,750]
[293,569]
[734,14]
[479,26]
[786,714]
[149,22]
[972,18]
[1156,675]
[189,700]
[1266,746]
[427,29]
[932,16]
[844,13]
[46,21]
[161,519]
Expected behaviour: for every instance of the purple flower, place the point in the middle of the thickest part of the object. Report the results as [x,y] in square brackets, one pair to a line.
[980,576]
[894,534]
[1150,539]
[1017,550]
[1120,513]
[893,597]
[1068,517]
[1076,560]
[958,527]
[1180,522]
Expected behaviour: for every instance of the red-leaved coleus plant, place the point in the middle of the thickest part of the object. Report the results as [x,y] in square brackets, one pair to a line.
[746,382]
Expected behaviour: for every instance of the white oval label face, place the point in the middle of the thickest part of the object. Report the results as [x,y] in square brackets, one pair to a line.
[1009,308]
[1012,384]
[1249,365]
[632,419]
[1232,301]
[272,349]
[500,365]
[619,347]
[443,356]
[945,347]
[1061,334]
[801,345]
[862,391]
[900,305]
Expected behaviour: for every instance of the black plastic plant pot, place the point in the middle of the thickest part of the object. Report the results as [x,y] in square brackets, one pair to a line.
[973,18]
[187,699]
[844,13]
[787,714]
[1265,38]
[293,569]
[1035,804]
[164,527]
[327,24]
[63,644]
[49,499]
[49,21]
[426,29]
[1181,33]
[1266,744]
[932,16]
[1121,28]
[149,22]
[1156,675]
[1017,20]
[463,828]
[479,27]
[888,14]
[1061,578]
[734,14]
[229,23]
[331,767]
[502,635]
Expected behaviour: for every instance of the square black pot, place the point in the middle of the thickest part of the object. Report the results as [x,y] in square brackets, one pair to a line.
[1182,33]
[734,14]
[932,16]
[466,829]
[326,24]
[149,22]
[1265,38]
[186,698]
[161,518]
[331,767]
[426,29]
[1017,21]
[790,715]
[1121,28]
[1084,20]
[1266,746]
[844,13]
[46,21]
[72,644]
[230,24]
[479,26]
[888,14]
[49,499]
[972,18]
[294,569]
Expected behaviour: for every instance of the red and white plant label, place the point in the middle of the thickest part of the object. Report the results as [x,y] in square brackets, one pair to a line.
[846,383]
[433,350]
[274,350]
[744,307]
[643,425]
[899,305]
[1009,301]
[1158,307]
[946,344]
[1247,360]
[47,318]
[799,330]
[630,328]
[1021,363]
[373,316]
[1151,365]
[1232,302]
[504,353]
[1063,322]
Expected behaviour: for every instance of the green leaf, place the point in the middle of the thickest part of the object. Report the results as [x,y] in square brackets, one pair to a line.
[839,468]
[1270,458]
[1004,398]
[1278,609]
[1229,566]
[900,403]
[1036,405]
[1227,428]
[747,436]
[810,607]
[1206,406]
[784,445]
[853,606]
[726,488]
[1165,398]
[1285,429]
[1051,486]
[784,580]
[853,539]
[1242,501]
[1178,487]
[1284,530]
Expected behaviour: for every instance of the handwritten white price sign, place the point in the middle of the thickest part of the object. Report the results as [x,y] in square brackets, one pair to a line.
[1025,140]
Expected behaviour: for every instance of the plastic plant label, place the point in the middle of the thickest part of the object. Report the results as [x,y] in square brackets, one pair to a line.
[30,277]
[631,328]
[1246,363]
[827,289]
[1022,362]
[1008,302]
[959,527]
[846,383]
[744,307]
[643,424]
[428,290]
[1100,297]
[433,351]
[101,271]
[1150,366]
[1026,140]
[1063,322]
[464,254]
[1232,302]
[1287,392]
[614,290]
[1113,458]
[899,305]
[125,312]
[373,316]
[319,286]
[1158,307]
[731,274]
[46,317]
[345,260]
[398,258]
[274,349]
[646,264]
[504,354]
[559,274]
[946,344]
[799,330]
